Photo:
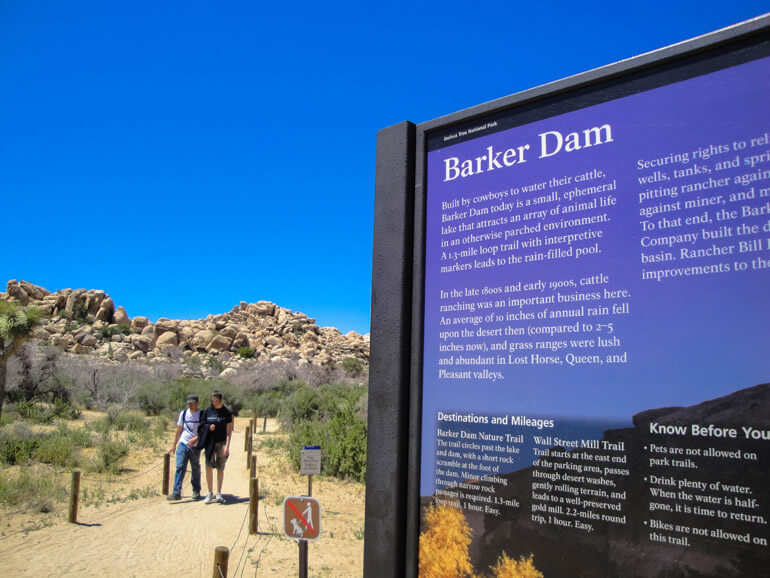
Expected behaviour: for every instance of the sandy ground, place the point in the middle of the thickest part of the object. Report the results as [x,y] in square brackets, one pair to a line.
[154,537]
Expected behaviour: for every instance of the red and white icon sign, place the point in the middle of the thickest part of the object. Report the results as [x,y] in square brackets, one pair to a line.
[301,518]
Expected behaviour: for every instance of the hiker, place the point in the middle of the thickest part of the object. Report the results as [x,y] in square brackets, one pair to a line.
[187,449]
[215,430]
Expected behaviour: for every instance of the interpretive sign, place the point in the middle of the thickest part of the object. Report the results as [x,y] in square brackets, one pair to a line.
[590,378]
[301,518]
[596,309]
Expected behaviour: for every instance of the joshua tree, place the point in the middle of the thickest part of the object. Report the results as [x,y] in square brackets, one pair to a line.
[16,326]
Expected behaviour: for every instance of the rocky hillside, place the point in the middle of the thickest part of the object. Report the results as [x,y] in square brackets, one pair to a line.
[88,322]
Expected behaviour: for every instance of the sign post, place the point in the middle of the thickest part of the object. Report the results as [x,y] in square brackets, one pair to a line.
[302,522]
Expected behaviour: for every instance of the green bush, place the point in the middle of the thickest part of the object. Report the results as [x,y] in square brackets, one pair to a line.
[153,397]
[108,331]
[353,366]
[346,457]
[65,410]
[34,412]
[17,445]
[56,449]
[110,454]
[307,433]
[38,489]
[179,389]
[132,421]
[245,352]
[80,437]
[329,416]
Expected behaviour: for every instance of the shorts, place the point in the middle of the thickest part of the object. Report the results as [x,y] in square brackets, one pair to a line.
[217,458]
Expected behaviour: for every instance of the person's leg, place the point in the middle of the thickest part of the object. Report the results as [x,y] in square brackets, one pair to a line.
[220,479]
[195,469]
[209,477]
[181,469]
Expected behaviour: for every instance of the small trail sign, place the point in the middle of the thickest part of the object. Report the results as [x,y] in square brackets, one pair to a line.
[310,461]
[301,518]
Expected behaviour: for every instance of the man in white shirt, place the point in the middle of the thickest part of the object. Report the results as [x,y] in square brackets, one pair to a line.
[186,447]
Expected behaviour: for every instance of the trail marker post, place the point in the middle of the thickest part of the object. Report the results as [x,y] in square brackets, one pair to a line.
[253,505]
[166,473]
[74,497]
[221,556]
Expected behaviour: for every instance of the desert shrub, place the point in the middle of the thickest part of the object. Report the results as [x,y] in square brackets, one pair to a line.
[33,487]
[80,312]
[307,433]
[17,444]
[444,543]
[34,412]
[131,421]
[245,352]
[214,364]
[108,331]
[110,454]
[353,366]
[346,456]
[179,389]
[65,410]
[153,398]
[80,437]
[55,449]
[268,402]
[328,416]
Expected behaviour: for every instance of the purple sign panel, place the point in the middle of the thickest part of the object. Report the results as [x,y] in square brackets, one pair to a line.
[596,353]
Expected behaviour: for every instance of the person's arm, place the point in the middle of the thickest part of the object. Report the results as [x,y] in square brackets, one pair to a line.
[229,435]
[176,439]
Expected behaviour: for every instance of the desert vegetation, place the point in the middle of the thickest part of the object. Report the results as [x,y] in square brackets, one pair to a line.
[65,411]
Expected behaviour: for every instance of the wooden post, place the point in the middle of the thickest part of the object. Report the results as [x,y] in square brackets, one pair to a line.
[249,439]
[310,485]
[264,424]
[254,420]
[74,497]
[221,555]
[166,473]
[246,438]
[253,504]
[253,466]
[303,559]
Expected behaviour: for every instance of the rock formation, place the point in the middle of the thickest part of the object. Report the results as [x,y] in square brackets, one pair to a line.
[88,322]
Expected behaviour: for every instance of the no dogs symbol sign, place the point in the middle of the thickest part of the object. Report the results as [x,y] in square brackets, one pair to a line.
[301,518]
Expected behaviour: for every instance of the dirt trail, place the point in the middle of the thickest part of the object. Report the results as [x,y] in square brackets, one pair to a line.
[154,537]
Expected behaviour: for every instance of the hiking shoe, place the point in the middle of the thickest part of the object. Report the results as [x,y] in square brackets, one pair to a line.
[209,498]
[173,497]
[220,499]
[196,496]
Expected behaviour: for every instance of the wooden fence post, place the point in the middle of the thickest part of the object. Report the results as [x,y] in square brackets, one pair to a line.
[221,555]
[254,420]
[74,497]
[253,505]
[253,471]
[166,473]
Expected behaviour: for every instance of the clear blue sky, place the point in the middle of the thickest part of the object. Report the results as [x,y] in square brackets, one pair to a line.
[186,156]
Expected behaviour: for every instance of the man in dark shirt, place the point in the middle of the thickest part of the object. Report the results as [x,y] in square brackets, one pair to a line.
[216,430]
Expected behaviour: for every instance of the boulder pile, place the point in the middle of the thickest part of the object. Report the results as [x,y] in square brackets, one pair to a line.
[88,322]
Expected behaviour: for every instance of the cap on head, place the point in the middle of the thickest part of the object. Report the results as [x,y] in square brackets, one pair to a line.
[216,393]
[192,398]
